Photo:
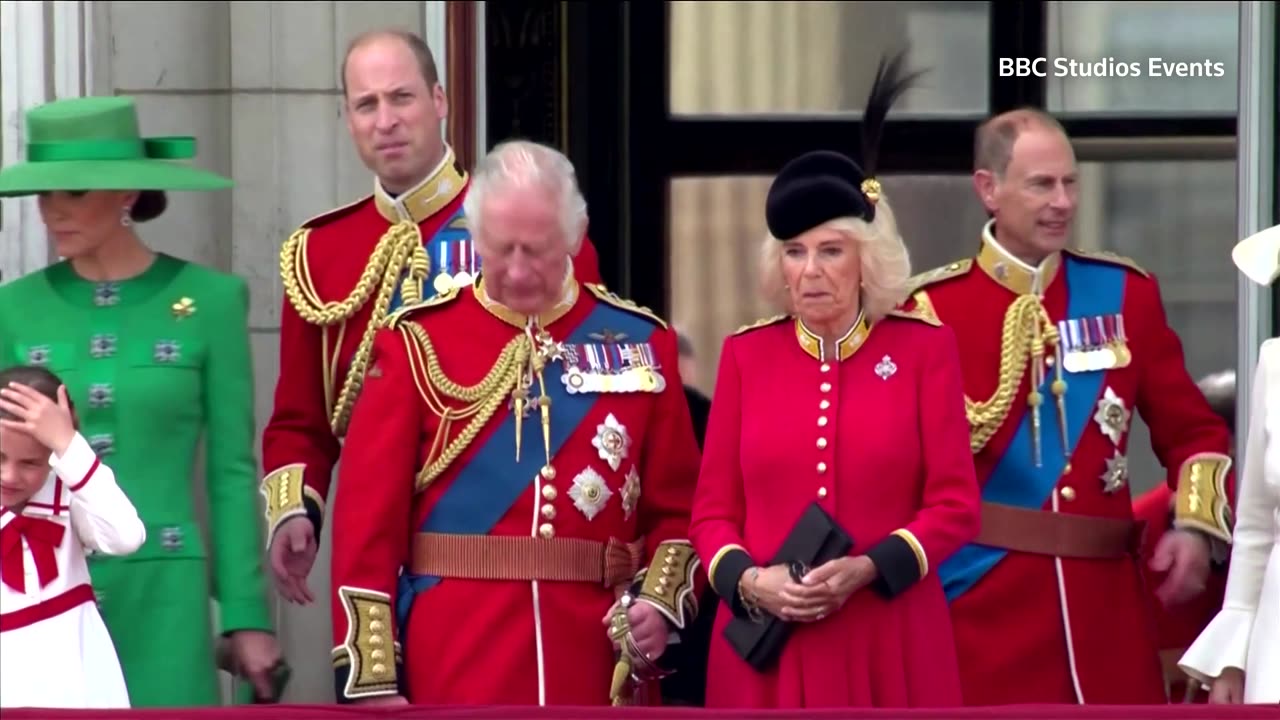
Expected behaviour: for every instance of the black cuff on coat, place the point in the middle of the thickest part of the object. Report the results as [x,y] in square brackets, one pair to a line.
[314,514]
[896,564]
[728,572]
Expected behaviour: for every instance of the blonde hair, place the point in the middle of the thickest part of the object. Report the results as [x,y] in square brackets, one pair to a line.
[882,255]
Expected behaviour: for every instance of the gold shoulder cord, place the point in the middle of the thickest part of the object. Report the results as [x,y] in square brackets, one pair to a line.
[483,399]
[511,377]
[1027,333]
[399,249]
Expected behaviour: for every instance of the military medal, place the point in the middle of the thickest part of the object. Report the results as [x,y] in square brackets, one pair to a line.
[610,366]
[443,282]
[1094,343]
[1117,472]
[1112,416]
[612,441]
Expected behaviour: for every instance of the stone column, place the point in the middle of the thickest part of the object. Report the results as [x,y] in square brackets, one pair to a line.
[42,58]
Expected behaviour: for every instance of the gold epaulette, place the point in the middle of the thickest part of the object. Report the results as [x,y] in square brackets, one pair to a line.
[443,298]
[938,274]
[334,214]
[918,307]
[604,295]
[761,323]
[1109,257]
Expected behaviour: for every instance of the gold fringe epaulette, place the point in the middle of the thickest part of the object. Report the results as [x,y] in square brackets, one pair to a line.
[918,307]
[1110,258]
[443,298]
[938,274]
[761,323]
[604,295]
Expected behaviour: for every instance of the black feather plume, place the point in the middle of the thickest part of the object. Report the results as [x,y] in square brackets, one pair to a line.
[891,81]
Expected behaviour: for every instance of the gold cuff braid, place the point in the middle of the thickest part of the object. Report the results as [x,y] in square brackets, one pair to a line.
[284,489]
[668,582]
[1202,503]
[369,648]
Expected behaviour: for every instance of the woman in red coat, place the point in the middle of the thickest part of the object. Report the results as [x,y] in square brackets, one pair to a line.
[858,407]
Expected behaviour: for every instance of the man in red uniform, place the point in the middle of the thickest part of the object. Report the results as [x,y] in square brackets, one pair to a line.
[520,457]
[347,269]
[1061,347]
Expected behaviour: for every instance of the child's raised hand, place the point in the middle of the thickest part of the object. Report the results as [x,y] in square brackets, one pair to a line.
[48,422]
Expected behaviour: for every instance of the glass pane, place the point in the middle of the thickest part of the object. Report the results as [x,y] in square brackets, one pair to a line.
[1178,221]
[716,227]
[1151,38]
[820,57]
[717,223]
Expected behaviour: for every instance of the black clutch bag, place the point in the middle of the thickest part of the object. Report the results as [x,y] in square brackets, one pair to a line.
[815,539]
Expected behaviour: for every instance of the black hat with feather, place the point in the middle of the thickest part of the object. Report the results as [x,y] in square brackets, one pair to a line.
[823,185]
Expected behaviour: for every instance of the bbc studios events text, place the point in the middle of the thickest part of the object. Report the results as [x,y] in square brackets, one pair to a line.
[1110,68]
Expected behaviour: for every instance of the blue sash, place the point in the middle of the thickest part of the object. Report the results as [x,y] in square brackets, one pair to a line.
[1094,289]
[488,486]
[449,250]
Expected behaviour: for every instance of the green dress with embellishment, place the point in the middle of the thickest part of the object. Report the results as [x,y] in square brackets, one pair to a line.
[153,365]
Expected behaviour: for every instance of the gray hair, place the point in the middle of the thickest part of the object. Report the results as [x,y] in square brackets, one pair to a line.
[882,254]
[521,163]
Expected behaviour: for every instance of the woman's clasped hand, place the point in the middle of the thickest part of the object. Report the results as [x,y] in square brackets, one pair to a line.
[816,595]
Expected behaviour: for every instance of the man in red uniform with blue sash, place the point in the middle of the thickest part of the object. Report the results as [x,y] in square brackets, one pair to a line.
[1061,348]
[520,464]
[345,271]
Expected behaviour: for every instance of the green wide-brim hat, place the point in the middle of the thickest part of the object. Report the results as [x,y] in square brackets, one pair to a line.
[93,143]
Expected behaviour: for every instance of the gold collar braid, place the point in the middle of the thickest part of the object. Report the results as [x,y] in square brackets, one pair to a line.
[1027,335]
[398,250]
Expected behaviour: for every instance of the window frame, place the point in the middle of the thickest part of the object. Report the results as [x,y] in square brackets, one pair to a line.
[692,145]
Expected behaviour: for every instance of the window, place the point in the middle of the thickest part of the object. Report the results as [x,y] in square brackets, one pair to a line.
[1154,36]
[820,57]
[717,224]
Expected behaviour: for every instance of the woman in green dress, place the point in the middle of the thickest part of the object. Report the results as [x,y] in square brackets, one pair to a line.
[155,354]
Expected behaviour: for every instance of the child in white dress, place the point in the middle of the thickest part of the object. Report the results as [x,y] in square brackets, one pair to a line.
[56,650]
[1238,654]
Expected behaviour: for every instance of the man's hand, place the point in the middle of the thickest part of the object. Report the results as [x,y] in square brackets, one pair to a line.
[1185,556]
[256,654]
[648,628]
[48,422]
[293,552]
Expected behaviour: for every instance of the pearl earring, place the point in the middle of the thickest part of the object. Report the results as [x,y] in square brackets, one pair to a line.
[126,216]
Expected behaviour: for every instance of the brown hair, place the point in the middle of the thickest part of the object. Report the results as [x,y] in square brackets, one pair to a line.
[36,378]
[426,63]
[993,142]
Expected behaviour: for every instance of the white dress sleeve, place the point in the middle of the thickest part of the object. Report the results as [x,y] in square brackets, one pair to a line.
[102,515]
[1224,643]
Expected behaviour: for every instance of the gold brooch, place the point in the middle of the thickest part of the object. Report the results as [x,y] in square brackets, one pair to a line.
[184,308]
[871,188]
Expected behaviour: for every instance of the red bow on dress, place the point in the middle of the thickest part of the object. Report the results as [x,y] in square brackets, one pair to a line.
[42,536]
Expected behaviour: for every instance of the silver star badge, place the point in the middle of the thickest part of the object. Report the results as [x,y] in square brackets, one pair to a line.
[612,441]
[1117,472]
[590,493]
[1112,416]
